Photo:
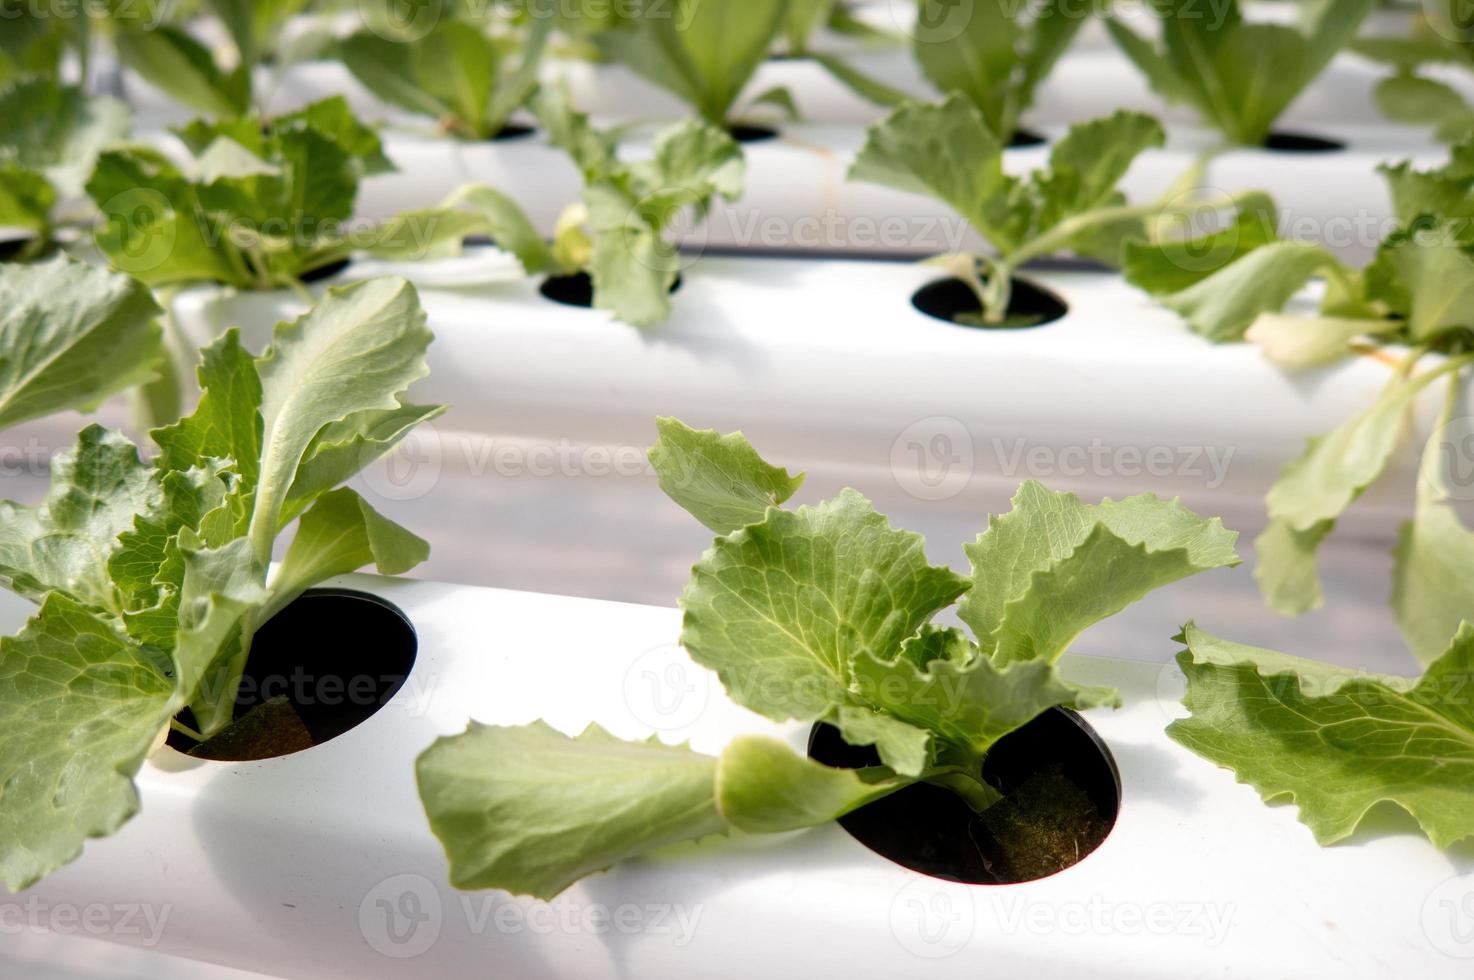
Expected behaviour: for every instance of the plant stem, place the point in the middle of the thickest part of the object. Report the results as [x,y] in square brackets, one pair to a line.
[185,730]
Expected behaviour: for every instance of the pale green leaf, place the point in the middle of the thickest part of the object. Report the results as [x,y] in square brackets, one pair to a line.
[70,336]
[1285,566]
[969,704]
[339,534]
[1335,468]
[902,747]
[1337,743]
[780,609]
[357,350]
[64,544]
[1223,305]
[719,479]
[341,449]
[1044,529]
[531,810]
[80,707]
[507,224]
[1298,343]
[764,787]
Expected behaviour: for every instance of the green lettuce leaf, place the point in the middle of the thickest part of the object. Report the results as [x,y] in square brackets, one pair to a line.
[764,787]
[780,608]
[71,336]
[720,480]
[1223,305]
[80,707]
[1239,76]
[183,68]
[1336,743]
[703,53]
[999,56]
[1424,102]
[1037,545]
[531,810]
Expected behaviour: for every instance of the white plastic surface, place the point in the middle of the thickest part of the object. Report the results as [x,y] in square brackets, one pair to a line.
[321,866]
[797,197]
[536,479]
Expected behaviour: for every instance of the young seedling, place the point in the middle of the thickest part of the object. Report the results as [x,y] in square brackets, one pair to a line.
[704,53]
[617,233]
[35,41]
[948,152]
[1239,76]
[469,76]
[261,205]
[995,53]
[50,138]
[821,613]
[1440,37]
[162,45]
[1415,300]
[152,578]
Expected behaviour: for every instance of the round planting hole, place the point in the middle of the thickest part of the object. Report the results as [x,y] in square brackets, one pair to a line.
[577,289]
[320,667]
[748,133]
[953,301]
[512,131]
[12,249]
[1061,793]
[326,271]
[1301,143]
[1025,137]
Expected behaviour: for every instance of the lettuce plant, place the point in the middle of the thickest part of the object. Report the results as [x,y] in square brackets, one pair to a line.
[158,41]
[1238,75]
[819,613]
[995,53]
[948,152]
[261,205]
[1416,295]
[71,335]
[616,233]
[50,138]
[1441,36]
[704,53]
[468,76]
[1338,743]
[151,578]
